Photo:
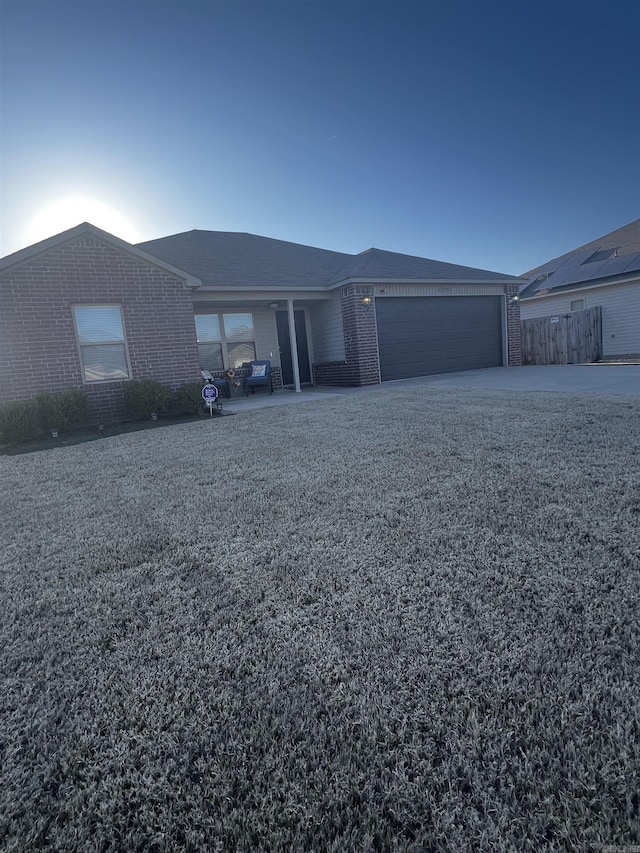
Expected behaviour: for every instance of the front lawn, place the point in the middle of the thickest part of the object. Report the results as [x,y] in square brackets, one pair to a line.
[396,621]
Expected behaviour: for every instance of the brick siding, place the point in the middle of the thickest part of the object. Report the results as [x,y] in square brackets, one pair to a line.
[361,365]
[514,328]
[276,377]
[38,347]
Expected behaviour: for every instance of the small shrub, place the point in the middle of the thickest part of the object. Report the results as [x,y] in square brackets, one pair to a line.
[63,410]
[19,421]
[145,396]
[190,400]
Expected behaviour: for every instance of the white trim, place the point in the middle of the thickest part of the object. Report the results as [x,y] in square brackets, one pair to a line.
[266,296]
[80,345]
[440,281]
[393,291]
[505,331]
[579,287]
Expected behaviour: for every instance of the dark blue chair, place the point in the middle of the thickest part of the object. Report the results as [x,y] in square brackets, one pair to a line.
[259,376]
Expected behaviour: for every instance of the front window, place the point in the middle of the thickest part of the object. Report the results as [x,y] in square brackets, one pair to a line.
[225,340]
[101,340]
[577,305]
[209,341]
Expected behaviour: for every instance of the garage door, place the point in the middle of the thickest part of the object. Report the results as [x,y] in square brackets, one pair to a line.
[418,336]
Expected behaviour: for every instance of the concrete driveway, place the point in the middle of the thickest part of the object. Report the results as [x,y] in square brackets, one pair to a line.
[566,379]
[569,379]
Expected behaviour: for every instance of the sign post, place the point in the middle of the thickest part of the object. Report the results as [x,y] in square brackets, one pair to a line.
[210,395]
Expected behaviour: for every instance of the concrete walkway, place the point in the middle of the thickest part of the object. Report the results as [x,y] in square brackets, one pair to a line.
[262,400]
[565,379]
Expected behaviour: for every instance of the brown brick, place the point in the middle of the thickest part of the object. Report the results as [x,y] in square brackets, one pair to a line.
[36,300]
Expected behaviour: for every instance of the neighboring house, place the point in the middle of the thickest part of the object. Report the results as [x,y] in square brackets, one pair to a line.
[86,309]
[605,273]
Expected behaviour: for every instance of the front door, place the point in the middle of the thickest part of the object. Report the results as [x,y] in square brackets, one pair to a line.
[284,342]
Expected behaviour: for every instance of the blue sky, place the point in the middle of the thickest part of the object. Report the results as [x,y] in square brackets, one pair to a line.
[491,134]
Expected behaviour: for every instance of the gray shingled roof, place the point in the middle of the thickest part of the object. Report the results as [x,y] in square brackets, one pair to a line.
[607,258]
[229,259]
[379,265]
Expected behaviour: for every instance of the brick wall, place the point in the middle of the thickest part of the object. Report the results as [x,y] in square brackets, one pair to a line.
[514,328]
[38,348]
[360,366]
[276,377]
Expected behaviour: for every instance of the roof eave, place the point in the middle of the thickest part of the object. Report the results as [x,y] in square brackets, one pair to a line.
[439,281]
[289,288]
[583,285]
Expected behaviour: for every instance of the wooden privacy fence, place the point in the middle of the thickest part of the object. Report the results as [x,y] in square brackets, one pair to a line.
[573,338]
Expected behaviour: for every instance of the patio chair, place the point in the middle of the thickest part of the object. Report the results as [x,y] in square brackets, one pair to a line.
[259,376]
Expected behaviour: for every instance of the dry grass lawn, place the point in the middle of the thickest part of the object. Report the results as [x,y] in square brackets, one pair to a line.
[404,620]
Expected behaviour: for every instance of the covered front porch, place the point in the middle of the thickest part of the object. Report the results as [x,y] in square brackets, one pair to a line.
[293,334]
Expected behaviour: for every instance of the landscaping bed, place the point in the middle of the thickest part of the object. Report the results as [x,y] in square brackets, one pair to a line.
[90,433]
[399,622]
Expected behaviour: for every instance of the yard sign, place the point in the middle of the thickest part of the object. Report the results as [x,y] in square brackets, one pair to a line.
[210,395]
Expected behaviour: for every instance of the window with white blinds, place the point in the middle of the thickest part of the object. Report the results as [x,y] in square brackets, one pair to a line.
[101,340]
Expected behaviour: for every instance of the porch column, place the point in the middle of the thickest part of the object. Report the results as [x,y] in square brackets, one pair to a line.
[294,345]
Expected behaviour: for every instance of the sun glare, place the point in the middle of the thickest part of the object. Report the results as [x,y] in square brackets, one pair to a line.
[69,212]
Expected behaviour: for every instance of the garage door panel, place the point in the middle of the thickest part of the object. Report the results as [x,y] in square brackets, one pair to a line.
[418,336]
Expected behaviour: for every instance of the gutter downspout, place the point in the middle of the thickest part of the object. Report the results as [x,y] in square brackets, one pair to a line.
[294,345]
